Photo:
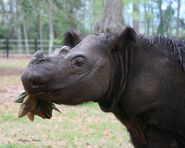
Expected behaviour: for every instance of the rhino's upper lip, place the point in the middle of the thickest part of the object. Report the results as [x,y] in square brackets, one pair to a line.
[42,92]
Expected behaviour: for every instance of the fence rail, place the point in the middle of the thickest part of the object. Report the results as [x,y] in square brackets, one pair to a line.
[25,47]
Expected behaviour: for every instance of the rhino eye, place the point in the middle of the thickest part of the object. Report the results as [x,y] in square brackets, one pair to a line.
[78,62]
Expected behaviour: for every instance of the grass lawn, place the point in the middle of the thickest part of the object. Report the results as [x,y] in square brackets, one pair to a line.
[82,126]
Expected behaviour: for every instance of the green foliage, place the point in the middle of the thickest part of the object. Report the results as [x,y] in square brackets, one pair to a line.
[4,31]
[82,16]
[126,2]
[97,9]
[65,15]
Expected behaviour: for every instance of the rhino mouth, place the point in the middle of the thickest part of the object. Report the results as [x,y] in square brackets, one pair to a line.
[46,95]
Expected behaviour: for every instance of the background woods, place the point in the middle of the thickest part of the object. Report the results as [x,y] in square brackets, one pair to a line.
[47,20]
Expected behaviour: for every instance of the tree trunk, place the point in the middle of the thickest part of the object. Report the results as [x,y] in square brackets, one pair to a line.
[152,21]
[26,36]
[12,19]
[136,13]
[18,26]
[178,13]
[40,26]
[50,21]
[160,29]
[112,20]
[19,39]
[3,12]
[147,18]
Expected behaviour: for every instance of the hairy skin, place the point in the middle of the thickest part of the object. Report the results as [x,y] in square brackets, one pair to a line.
[141,81]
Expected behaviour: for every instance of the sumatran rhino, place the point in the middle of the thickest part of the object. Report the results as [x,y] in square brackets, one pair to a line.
[141,81]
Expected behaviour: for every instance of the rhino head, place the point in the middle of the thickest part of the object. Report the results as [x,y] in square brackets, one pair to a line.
[84,70]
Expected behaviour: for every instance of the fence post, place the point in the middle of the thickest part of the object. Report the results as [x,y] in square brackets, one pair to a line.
[36,45]
[7,48]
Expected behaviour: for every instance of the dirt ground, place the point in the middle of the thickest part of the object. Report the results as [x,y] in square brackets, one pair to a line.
[11,84]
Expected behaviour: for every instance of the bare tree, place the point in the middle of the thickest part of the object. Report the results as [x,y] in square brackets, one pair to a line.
[12,19]
[178,14]
[147,17]
[23,14]
[26,35]
[112,20]
[40,25]
[18,26]
[165,19]
[50,21]
[160,29]
[153,20]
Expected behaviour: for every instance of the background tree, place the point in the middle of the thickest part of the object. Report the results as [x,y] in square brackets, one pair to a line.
[165,20]
[178,16]
[50,22]
[27,20]
[18,25]
[136,15]
[112,20]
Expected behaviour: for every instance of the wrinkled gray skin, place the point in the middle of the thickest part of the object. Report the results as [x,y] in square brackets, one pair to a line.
[140,80]
[70,76]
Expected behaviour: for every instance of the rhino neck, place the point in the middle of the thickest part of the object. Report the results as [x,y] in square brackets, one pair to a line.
[121,64]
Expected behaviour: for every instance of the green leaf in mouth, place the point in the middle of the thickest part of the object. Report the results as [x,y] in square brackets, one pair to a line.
[31,106]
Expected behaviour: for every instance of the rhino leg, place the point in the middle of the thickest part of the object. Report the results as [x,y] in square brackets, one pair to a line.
[137,143]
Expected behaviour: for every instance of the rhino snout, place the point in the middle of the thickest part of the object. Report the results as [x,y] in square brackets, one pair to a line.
[34,82]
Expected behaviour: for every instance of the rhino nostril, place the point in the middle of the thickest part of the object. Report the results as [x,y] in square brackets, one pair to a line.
[37,84]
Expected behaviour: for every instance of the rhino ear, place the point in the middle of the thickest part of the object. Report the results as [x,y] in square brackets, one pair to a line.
[71,39]
[127,38]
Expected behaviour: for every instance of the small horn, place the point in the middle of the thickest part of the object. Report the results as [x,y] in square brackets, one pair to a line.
[64,49]
[38,55]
